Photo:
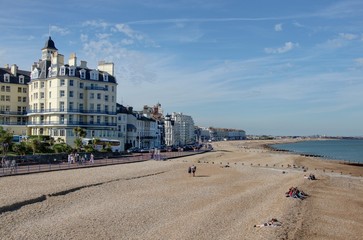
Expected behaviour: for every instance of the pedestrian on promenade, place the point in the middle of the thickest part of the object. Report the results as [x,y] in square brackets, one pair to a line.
[92,159]
[193,169]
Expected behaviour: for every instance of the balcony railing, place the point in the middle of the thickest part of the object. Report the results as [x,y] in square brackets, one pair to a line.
[13,123]
[13,113]
[70,123]
[67,110]
[96,88]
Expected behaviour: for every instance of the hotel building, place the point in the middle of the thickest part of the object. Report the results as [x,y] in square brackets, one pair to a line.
[63,96]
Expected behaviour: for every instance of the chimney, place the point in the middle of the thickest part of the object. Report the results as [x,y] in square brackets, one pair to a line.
[72,60]
[14,69]
[83,64]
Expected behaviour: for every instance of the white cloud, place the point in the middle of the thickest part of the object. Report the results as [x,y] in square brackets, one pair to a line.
[278,27]
[61,31]
[96,23]
[348,36]
[287,47]
[359,61]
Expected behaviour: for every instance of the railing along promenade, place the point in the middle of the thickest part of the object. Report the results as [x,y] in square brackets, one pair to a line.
[64,165]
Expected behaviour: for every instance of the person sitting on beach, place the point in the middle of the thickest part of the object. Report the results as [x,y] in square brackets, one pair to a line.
[272,223]
[311,177]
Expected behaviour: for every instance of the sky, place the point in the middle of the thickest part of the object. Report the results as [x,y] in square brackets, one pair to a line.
[267,67]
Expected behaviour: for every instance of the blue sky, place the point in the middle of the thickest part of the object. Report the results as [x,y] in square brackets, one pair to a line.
[267,67]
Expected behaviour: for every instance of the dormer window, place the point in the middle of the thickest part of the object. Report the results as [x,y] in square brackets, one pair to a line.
[62,71]
[21,79]
[94,75]
[82,74]
[105,77]
[35,74]
[6,77]
[72,71]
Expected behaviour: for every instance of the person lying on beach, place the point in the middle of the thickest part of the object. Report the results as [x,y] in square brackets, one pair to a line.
[294,192]
[272,223]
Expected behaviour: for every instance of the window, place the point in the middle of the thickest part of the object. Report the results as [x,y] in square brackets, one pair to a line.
[61,106]
[81,85]
[19,89]
[61,119]
[92,96]
[35,85]
[41,84]
[98,95]
[105,77]
[24,109]
[3,88]
[61,93]
[113,98]
[91,120]
[62,71]
[106,108]
[94,75]
[7,88]
[70,106]
[80,95]
[42,95]
[71,82]
[72,71]
[98,107]
[91,107]
[62,132]
[19,99]
[70,93]
[50,106]
[24,90]
[70,119]
[50,83]
[106,87]
[7,98]
[21,79]
[50,94]
[98,119]
[24,99]
[6,77]
[82,74]
[62,82]
[42,107]
[113,88]
[81,107]
[106,98]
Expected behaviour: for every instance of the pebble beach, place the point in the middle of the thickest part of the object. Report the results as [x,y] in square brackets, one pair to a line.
[237,185]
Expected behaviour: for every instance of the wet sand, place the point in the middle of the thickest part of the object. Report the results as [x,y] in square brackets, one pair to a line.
[160,200]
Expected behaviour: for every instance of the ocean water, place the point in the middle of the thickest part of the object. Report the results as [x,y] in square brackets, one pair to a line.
[343,150]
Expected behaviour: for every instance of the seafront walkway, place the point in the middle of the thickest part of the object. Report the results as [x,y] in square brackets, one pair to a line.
[130,158]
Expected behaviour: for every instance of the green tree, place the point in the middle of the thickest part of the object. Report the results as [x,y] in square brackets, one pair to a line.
[35,144]
[20,148]
[5,142]
[80,133]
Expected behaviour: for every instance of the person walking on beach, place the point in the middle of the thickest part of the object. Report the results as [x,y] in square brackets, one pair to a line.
[193,169]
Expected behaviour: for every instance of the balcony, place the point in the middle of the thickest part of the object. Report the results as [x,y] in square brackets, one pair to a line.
[13,123]
[65,111]
[96,88]
[70,123]
[18,113]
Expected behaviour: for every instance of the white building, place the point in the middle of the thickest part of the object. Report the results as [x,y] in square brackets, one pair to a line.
[66,95]
[179,129]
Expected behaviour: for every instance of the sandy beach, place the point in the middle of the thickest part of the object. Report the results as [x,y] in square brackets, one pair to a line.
[238,185]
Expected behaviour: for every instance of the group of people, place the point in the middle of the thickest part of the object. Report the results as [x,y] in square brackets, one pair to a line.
[311,177]
[294,192]
[272,223]
[80,159]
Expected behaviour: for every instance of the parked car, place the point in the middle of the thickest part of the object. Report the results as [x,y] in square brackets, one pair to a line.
[133,150]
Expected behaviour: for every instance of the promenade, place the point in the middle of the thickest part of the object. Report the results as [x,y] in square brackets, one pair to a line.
[130,158]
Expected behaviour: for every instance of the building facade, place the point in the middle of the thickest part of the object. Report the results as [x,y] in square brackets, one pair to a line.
[179,129]
[66,95]
[14,99]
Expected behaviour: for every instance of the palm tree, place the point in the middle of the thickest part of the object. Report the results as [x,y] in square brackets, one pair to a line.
[5,141]
[80,133]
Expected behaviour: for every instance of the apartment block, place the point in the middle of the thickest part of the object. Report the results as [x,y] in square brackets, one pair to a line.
[14,99]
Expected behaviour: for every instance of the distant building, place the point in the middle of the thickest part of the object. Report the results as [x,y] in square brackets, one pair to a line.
[179,129]
[14,99]
[219,134]
[66,95]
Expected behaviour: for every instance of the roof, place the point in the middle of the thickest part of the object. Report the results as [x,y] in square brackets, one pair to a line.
[14,78]
[49,44]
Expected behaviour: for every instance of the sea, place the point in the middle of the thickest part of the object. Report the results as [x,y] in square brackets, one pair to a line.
[349,150]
